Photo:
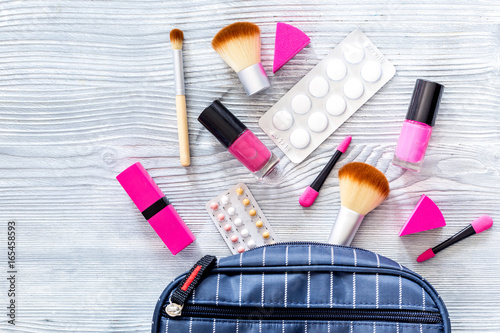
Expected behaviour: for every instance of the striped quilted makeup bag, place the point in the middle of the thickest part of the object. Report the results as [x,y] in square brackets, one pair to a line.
[300,287]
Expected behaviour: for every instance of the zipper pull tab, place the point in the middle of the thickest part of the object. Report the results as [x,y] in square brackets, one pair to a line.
[193,277]
[173,310]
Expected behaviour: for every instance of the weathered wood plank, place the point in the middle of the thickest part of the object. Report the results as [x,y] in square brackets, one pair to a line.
[86,89]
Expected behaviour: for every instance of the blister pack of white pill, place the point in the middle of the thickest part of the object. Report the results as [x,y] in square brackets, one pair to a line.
[327,96]
[240,220]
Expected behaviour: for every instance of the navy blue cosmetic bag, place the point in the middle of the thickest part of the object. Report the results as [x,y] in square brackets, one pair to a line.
[300,287]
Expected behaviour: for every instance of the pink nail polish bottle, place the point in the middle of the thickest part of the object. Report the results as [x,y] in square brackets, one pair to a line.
[238,139]
[417,128]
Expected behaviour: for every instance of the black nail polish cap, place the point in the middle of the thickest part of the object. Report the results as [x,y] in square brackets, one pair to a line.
[221,123]
[425,101]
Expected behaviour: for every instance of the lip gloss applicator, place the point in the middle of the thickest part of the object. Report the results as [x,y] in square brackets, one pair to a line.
[311,192]
[479,225]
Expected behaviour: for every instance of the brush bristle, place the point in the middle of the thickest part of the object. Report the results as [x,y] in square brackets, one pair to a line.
[362,187]
[176,39]
[238,44]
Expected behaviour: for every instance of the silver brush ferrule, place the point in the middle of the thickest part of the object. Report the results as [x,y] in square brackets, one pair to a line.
[178,73]
[254,79]
[348,222]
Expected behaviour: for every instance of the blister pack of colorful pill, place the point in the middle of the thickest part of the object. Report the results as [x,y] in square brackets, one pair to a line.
[240,220]
[327,96]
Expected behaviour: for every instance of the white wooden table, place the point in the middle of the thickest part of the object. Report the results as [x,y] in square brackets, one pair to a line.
[86,89]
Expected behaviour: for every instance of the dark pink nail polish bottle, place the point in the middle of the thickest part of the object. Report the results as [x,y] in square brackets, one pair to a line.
[238,139]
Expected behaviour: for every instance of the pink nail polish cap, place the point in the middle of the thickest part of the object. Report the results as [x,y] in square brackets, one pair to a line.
[156,208]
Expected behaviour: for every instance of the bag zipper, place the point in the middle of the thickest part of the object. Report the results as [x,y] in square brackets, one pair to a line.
[176,303]
[311,243]
[190,281]
[225,312]
[176,309]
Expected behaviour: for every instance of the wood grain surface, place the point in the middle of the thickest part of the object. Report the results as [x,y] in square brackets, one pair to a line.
[86,89]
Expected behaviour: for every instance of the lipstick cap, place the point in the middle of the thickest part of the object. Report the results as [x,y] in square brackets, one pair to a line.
[221,123]
[155,207]
[425,101]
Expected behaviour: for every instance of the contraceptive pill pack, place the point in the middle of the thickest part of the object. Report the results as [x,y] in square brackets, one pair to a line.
[327,96]
[240,220]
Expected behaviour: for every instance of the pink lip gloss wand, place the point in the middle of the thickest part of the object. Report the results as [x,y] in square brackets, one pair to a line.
[311,192]
[417,128]
[481,224]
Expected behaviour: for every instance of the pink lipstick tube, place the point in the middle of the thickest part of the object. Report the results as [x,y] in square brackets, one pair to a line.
[156,208]
[238,139]
[417,128]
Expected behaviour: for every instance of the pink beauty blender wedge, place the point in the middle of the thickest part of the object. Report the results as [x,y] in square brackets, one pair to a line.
[311,192]
[288,42]
[425,216]
[481,224]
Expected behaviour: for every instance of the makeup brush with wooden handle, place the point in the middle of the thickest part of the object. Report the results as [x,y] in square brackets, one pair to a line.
[176,39]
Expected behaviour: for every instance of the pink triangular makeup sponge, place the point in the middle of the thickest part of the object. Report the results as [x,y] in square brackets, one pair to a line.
[289,41]
[425,216]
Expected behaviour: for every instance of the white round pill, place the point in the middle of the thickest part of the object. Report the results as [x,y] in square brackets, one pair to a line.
[317,122]
[353,54]
[251,244]
[301,104]
[353,88]
[238,222]
[224,199]
[336,70]
[318,87]
[335,105]
[283,120]
[230,210]
[300,138]
[371,71]
[244,233]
